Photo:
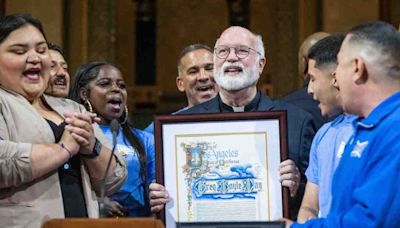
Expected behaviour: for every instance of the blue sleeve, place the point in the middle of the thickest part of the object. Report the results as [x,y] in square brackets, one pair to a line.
[151,162]
[312,172]
[150,128]
[376,197]
[147,140]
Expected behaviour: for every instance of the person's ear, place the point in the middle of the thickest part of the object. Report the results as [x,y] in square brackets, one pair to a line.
[180,84]
[261,64]
[304,65]
[360,75]
[83,94]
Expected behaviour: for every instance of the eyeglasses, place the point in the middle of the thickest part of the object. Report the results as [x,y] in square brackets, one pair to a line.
[241,52]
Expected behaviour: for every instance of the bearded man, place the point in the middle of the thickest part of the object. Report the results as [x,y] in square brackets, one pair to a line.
[239,60]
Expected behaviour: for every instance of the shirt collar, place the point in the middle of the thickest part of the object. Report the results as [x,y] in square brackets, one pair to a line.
[343,118]
[250,107]
[381,111]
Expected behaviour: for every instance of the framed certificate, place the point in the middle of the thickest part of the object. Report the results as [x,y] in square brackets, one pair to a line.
[222,167]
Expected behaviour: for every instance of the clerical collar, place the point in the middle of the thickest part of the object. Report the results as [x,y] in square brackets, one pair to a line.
[251,107]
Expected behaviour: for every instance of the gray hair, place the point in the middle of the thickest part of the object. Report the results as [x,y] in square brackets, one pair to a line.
[259,44]
[191,48]
[378,43]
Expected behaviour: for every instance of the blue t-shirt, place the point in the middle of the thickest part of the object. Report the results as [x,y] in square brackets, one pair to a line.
[131,192]
[326,150]
[365,186]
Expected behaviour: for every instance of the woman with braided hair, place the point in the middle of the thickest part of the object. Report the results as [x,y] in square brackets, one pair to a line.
[100,87]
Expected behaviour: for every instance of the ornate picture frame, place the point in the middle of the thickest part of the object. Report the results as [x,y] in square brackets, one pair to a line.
[214,165]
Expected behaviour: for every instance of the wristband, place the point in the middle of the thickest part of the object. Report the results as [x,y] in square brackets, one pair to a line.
[95,152]
[66,149]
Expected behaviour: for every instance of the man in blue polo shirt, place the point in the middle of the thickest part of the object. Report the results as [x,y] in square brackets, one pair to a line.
[328,144]
[365,187]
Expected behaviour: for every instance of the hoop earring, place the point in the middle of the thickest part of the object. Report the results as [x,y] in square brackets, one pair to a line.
[88,105]
[126,113]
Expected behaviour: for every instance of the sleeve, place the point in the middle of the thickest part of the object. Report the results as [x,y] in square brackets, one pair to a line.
[150,128]
[15,166]
[150,152]
[368,208]
[114,180]
[312,171]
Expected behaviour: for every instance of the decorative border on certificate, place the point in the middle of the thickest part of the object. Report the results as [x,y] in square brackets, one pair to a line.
[222,167]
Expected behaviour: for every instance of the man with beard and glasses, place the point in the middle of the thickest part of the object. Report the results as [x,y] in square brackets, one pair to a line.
[59,77]
[238,63]
[195,76]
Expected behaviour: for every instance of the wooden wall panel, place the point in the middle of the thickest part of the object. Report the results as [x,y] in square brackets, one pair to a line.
[125,27]
[277,22]
[52,19]
[342,15]
[181,23]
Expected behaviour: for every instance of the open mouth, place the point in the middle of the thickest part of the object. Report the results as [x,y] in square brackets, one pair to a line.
[233,69]
[115,102]
[205,88]
[32,74]
[60,81]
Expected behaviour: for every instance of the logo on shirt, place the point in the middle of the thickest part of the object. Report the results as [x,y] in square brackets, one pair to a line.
[126,150]
[358,149]
[341,149]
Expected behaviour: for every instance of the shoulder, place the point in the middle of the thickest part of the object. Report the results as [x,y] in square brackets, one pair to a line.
[59,103]
[144,136]
[322,131]
[292,110]
[205,107]
[10,97]
[298,94]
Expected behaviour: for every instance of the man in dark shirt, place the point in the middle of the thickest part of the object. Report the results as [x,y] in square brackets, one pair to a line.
[238,63]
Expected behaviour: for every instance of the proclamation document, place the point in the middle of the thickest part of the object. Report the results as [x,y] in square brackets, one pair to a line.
[222,171]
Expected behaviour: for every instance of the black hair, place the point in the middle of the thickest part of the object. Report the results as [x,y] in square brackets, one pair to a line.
[12,22]
[382,38]
[55,47]
[84,75]
[325,51]
[190,48]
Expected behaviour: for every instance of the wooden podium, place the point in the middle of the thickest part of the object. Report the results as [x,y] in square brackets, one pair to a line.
[104,223]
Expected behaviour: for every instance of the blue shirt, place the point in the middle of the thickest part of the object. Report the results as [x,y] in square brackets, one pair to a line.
[366,184]
[326,150]
[150,128]
[132,191]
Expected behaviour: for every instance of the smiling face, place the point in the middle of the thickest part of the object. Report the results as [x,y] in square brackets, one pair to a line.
[344,77]
[196,77]
[25,62]
[107,93]
[322,89]
[233,73]
[59,77]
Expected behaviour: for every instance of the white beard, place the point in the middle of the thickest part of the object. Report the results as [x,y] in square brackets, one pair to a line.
[245,79]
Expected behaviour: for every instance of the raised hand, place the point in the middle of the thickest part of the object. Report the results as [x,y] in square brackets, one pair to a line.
[81,129]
